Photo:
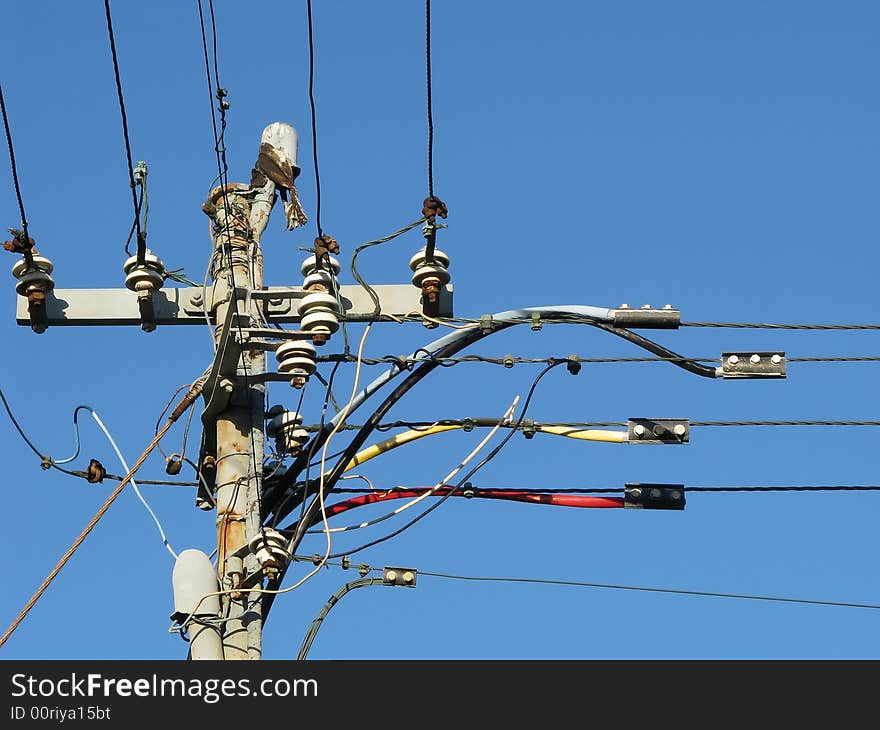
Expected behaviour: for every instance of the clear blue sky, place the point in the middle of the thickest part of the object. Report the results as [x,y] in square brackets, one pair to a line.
[720,157]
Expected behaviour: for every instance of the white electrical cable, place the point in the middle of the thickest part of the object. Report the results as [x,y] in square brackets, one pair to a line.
[133,484]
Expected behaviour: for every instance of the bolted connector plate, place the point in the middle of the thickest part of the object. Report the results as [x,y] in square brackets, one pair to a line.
[666,318]
[654,496]
[404,577]
[658,430]
[753,365]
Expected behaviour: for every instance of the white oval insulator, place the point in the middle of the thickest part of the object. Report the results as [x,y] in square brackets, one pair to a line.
[420,258]
[144,279]
[308,266]
[319,278]
[320,320]
[295,348]
[317,300]
[151,261]
[41,263]
[282,421]
[34,279]
[297,366]
[193,580]
[430,271]
[299,436]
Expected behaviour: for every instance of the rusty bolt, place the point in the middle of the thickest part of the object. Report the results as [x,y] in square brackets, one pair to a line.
[297,381]
[319,338]
[431,289]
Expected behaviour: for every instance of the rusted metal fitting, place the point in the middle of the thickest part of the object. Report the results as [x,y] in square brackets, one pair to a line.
[325,244]
[18,244]
[432,206]
[95,472]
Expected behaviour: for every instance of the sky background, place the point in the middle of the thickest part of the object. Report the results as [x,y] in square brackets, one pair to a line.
[722,157]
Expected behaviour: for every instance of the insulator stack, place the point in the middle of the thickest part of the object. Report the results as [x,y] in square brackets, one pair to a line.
[284,427]
[270,548]
[319,308]
[296,359]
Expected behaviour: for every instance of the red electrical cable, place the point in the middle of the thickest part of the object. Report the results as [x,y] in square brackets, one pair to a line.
[515,495]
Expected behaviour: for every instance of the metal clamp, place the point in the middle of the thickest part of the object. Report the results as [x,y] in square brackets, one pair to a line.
[753,365]
[658,430]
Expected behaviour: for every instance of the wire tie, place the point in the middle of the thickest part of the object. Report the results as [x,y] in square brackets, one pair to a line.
[487,324]
[536,321]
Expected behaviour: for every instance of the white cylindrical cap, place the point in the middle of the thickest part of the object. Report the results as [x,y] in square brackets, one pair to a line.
[193,578]
[283,138]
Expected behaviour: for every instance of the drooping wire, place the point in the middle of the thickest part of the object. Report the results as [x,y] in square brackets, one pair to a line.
[674,591]
[309,638]
[28,255]
[377,307]
[175,414]
[141,239]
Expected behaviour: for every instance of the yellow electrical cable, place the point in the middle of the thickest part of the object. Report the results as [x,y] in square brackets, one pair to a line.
[400,439]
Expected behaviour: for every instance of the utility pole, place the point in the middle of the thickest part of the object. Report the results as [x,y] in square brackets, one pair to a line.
[237,266]
[243,311]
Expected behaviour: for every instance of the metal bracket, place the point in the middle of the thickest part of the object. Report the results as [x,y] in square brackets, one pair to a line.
[658,430]
[654,496]
[753,365]
[404,577]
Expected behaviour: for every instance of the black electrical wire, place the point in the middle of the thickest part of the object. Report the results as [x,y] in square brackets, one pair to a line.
[657,349]
[309,638]
[28,255]
[430,106]
[485,460]
[765,326]
[584,584]
[141,239]
[314,131]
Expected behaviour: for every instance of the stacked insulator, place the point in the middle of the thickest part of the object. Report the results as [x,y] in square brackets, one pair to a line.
[35,283]
[270,547]
[319,308]
[146,278]
[296,359]
[284,427]
[430,276]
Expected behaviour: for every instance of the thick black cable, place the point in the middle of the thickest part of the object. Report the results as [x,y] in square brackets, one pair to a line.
[314,131]
[657,349]
[584,584]
[141,239]
[485,460]
[322,614]
[28,255]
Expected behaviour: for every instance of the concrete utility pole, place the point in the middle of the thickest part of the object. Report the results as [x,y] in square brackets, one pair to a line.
[231,456]
[236,266]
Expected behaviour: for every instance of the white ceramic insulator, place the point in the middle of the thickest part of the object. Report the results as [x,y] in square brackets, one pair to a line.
[320,320]
[303,364]
[295,348]
[317,300]
[34,278]
[41,263]
[430,271]
[319,278]
[420,258]
[308,265]
[283,421]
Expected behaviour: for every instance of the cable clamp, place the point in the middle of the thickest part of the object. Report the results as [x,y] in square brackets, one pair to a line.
[403,577]
[487,324]
[528,428]
[536,322]
[654,496]
[752,365]
[658,430]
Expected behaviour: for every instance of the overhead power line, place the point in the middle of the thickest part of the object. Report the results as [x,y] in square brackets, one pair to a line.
[141,240]
[766,326]
[28,256]
[649,589]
